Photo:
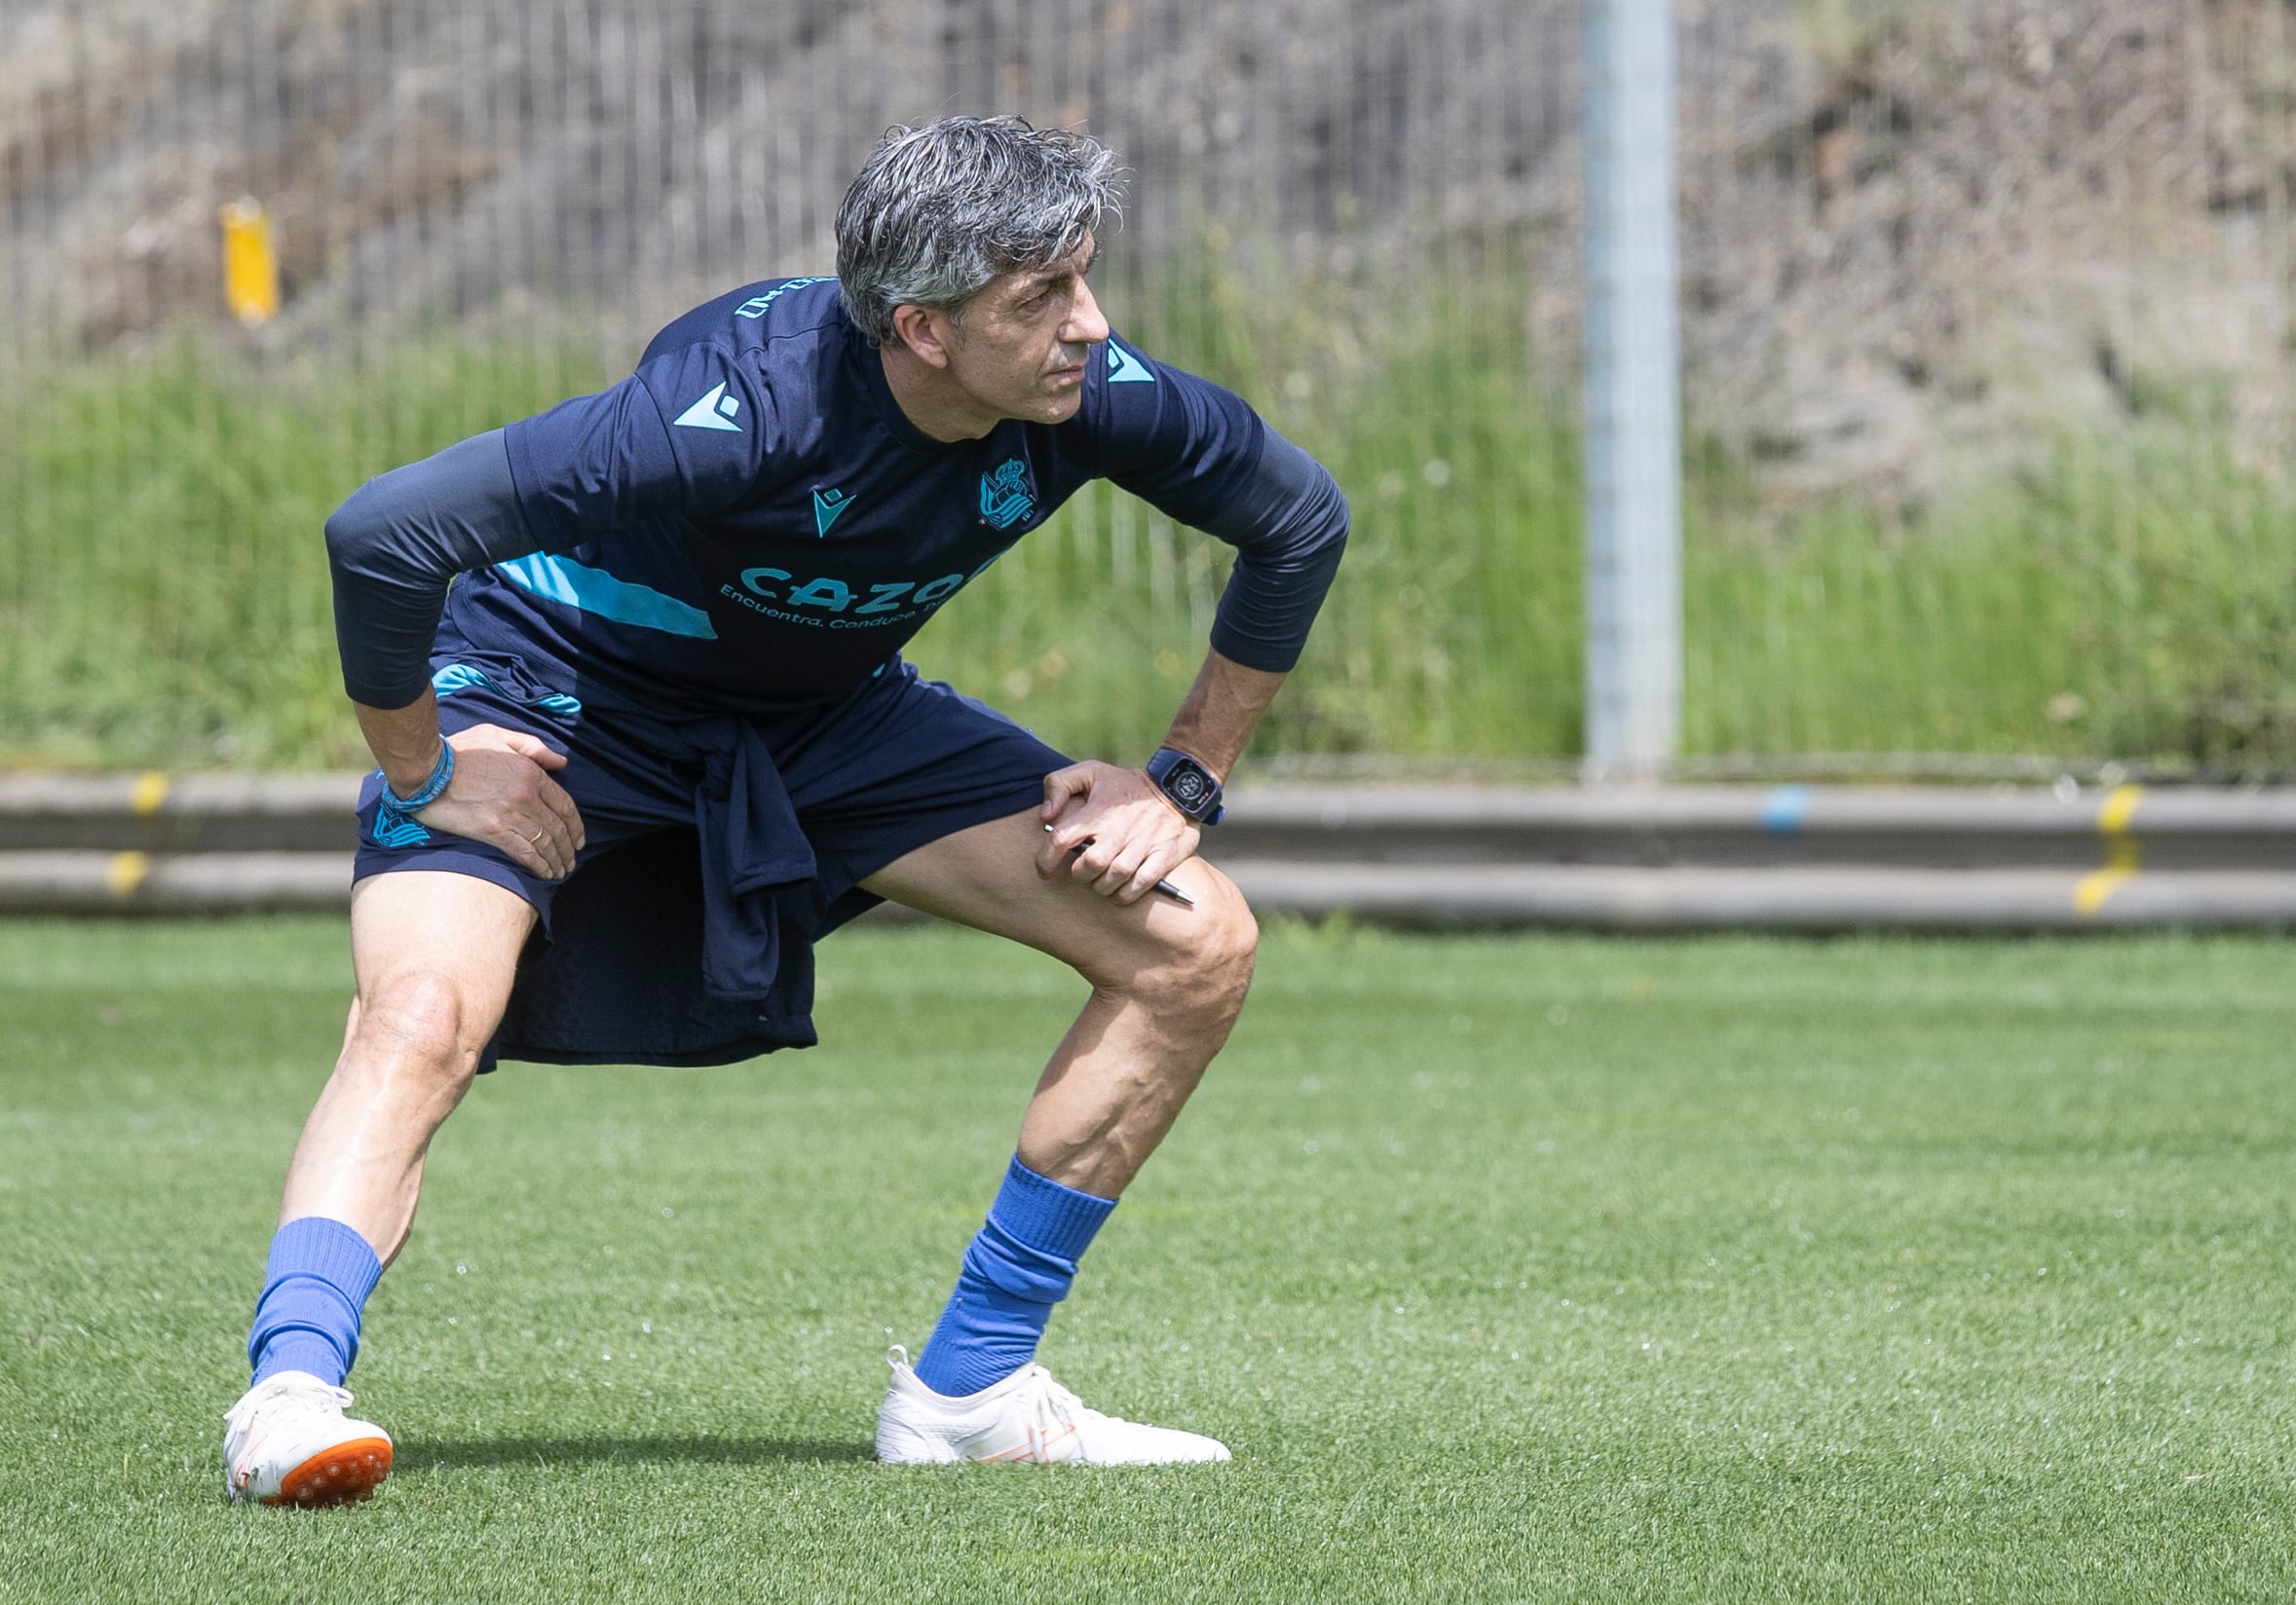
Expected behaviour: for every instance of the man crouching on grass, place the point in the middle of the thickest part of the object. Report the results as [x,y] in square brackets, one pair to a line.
[680,745]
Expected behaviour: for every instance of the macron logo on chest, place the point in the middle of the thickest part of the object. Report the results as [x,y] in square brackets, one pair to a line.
[827,504]
[714,411]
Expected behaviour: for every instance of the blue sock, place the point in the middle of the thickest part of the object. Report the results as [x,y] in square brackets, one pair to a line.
[317,1281]
[1019,1266]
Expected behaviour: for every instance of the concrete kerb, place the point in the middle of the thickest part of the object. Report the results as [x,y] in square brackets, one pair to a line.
[1795,858]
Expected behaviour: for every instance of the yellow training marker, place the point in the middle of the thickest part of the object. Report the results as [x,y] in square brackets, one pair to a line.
[126,873]
[151,790]
[250,266]
[2122,854]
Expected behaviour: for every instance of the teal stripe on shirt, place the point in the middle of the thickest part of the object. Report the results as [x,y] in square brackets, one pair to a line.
[594,591]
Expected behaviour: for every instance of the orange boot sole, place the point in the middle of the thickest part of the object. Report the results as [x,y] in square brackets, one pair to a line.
[344,1474]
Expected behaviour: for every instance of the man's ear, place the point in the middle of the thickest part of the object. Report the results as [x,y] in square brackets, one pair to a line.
[926,331]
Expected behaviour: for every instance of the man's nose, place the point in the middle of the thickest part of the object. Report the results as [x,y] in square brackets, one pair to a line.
[1085,326]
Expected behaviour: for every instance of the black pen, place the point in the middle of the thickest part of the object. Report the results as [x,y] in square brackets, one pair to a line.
[1165,886]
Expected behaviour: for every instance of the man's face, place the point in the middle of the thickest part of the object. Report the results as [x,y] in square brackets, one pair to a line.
[1020,352]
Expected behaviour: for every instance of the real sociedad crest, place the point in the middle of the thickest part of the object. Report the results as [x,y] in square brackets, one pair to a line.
[1005,496]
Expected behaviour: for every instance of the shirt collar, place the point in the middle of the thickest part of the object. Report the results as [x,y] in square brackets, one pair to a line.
[868,368]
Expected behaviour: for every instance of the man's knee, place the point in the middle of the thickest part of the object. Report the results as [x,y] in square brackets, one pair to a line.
[435,953]
[1221,956]
[417,1025]
[1201,964]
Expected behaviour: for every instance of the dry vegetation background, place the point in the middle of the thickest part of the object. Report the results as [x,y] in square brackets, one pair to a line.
[1987,315]
[1910,228]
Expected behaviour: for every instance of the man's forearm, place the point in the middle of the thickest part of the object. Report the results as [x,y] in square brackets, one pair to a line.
[1223,707]
[405,741]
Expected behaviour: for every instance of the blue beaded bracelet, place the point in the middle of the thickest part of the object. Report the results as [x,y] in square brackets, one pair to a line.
[431,790]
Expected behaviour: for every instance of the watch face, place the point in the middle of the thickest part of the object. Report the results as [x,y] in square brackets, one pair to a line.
[1187,784]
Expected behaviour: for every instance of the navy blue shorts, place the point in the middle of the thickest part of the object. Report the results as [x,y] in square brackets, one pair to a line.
[610,976]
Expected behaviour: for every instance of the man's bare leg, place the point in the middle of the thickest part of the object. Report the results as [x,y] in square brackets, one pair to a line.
[435,954]
[1167,982]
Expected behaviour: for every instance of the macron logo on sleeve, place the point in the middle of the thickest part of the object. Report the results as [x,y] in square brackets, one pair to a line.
[714,411]
[1124,368]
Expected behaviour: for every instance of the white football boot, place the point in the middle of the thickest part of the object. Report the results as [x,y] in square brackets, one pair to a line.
[287,1442]
[1027,1418]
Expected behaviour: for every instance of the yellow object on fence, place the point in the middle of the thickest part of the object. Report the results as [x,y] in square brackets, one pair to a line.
[250,266]
[2122,856]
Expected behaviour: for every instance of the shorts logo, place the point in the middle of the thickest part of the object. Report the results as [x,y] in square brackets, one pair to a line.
[1005,496]
[396,829]
[827,504]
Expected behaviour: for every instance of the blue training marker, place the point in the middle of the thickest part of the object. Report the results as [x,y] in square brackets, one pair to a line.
[1784,808]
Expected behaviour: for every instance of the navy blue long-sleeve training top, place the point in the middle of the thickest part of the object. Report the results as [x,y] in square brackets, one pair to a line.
[749,522]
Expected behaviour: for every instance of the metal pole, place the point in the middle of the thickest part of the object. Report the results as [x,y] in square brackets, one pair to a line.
[1634,393]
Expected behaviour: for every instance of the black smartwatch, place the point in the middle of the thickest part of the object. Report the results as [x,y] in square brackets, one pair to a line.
[1188,785]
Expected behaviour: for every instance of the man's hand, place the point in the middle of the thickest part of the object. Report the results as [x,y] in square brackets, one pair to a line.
[1129,836]
[500,795]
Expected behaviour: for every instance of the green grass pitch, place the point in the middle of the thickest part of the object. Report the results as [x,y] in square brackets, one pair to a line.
[1510,1268]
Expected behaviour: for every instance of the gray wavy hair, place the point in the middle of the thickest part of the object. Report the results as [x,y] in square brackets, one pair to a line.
[939,210]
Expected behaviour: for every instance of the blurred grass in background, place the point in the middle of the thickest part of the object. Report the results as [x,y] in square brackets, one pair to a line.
[164,595]
[2126,597]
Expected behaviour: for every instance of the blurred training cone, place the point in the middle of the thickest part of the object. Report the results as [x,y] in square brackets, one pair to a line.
[250,266]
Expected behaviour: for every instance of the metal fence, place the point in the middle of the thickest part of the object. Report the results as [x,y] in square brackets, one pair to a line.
[1985,319]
